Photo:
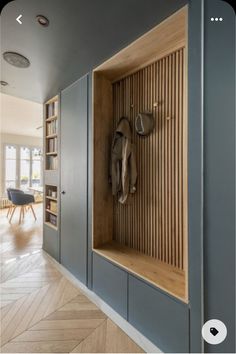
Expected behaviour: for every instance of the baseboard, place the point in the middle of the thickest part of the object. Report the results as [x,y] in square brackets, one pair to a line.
[132,332]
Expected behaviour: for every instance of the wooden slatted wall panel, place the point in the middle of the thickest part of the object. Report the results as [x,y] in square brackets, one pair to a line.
[153,223]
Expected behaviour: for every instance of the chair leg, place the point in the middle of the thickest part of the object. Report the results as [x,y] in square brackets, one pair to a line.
[21,209]
[31,207]
[9,211]
[14,209]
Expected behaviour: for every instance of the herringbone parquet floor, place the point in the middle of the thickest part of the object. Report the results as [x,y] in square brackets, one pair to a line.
[41,310]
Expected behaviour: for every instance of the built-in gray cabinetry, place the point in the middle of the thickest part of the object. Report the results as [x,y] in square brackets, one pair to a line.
[51,242]
[118,277]
[159,316]
[74,122]
[110,283]
[162,318]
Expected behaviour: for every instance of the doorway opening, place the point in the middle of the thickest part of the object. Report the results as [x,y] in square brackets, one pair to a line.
[21,175]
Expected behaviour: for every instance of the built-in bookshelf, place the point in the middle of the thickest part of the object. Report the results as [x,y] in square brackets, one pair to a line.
[51,134]
[51,206]
[51,229]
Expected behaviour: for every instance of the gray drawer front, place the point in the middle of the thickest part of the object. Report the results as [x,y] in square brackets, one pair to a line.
[51,242]
[110,283]
[162,319]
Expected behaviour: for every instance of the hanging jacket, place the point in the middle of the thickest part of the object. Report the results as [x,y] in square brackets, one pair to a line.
[123,162]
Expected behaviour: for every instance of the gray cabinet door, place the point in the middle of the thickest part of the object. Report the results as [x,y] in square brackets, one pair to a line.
[110,283]
[160,317]
[51,241]
[74,178]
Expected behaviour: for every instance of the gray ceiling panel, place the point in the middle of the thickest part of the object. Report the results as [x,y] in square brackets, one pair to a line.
[81,34]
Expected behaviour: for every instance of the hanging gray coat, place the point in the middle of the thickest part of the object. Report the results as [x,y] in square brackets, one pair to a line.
[123,162]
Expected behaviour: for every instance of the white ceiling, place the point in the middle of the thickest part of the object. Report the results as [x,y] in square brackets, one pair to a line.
[20,117]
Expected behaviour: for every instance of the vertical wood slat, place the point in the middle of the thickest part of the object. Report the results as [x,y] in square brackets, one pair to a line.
[173,229]
[166,124]
[177,160]
[181,159]
[162,162]
[155,220]
[185,173]
[159,156]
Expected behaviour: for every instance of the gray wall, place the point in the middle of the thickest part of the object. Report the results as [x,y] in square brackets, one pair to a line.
[195,171]
[219,170]
[211,170]
[211,162]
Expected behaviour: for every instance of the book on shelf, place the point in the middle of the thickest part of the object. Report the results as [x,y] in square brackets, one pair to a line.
[53,219]
[52,127]
[56,108]
[52,162]
[53,206]
[52,145]
[52,193]
[52,109]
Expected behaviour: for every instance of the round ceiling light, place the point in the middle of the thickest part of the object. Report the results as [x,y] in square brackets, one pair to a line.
[3,83]
[42,20]
[16,59]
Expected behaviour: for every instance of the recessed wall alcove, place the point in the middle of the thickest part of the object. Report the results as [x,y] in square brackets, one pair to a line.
[147,237]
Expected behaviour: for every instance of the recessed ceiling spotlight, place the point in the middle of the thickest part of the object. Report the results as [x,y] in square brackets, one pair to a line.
[16,59]
[3,83]
[42,20]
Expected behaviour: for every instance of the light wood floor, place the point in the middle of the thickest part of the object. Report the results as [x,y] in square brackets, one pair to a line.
[41,311]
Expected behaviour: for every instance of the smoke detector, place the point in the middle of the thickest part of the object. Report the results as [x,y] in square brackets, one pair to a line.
[16,59]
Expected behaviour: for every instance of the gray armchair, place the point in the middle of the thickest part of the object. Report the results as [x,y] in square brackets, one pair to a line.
[22,200]
[9,190]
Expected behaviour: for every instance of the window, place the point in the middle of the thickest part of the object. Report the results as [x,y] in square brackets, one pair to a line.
[36,167]
[10,166]
[23,167]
